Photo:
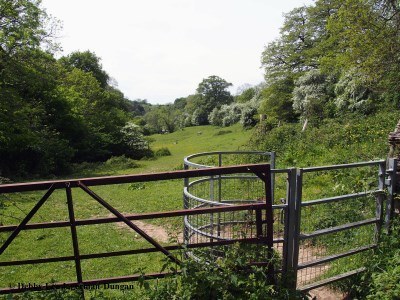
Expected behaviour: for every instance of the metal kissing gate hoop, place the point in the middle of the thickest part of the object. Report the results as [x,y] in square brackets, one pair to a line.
[224,190]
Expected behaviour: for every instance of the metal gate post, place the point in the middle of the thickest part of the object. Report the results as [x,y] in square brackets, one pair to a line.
[297,222]
[290,223]
[379,200]
[391,188]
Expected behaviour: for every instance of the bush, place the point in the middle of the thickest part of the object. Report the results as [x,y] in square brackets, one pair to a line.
[121,162]
[162,152]
[228,277]
[381,280]
[137,145]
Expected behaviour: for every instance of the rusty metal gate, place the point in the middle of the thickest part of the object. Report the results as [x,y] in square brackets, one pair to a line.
[260,223]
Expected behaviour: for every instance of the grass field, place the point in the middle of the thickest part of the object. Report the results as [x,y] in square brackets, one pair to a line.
[127,198]
[338,142]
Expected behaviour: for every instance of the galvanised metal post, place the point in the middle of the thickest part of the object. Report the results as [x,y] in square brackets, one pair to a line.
[219,195]
[290,221]
[185,206]
[379,199]
[297,223]
[391,188]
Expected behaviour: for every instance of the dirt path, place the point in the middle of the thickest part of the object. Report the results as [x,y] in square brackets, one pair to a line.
[308,275]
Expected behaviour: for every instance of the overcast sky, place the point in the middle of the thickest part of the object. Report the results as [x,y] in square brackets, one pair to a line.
[160,50]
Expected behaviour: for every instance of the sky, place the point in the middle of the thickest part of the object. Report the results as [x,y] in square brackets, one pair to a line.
[161,50]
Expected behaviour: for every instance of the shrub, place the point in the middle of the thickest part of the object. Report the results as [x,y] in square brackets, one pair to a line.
[381,280]
[229,277]
[164,151]
[247,117]
[121,162]
[133,137]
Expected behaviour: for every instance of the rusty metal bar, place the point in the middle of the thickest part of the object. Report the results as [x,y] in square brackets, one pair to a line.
[26,219]
[259,224]
[269,215]
[108,180]
[144,216]
[265,175]
[74,235]
[128,252]
[129,223]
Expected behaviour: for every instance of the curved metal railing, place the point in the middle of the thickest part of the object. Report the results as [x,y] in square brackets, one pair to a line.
[222,190]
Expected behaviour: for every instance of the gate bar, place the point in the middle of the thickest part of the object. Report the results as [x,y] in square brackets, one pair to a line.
[129,223]
[144,216]
[108,180]
[26,219]
[74,235]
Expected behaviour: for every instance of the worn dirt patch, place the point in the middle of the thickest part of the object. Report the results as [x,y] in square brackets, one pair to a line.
[159,233]
[156,232]
[324,293]
[307,275]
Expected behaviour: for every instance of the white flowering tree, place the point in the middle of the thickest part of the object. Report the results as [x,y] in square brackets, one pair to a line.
[135,140]
[311,95]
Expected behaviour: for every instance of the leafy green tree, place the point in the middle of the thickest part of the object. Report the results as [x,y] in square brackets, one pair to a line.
[288,53]
[277,102]
[88,62]
[180,103]
[22,26]
[135,141]
[199,117]
[299,47]
[100,113]
[364,36]
[214,93]
[246,95]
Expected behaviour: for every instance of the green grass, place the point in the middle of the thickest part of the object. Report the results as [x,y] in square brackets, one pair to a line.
[336,141]
[127,198]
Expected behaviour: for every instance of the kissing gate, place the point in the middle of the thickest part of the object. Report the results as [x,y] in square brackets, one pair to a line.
[313,224]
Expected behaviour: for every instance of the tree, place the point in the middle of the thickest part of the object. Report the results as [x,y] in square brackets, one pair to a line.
[352,94]
[299,46]
[214,93]
[180,103]
[311,96]
[364,37]
[88,62]
[246,95]
[277,102]
[135,141]
[22,26]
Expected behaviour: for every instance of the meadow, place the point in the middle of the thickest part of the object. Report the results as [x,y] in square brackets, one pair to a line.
[127,198]
[344,141]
